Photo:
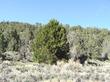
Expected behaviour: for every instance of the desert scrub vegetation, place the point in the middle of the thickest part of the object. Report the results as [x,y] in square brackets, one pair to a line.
[31,53]
[61,72]
[88,41]
[51,42]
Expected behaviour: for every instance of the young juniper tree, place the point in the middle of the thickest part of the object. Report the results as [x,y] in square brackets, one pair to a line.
[50,43]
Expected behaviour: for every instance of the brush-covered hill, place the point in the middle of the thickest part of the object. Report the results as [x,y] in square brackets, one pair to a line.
[24,48]
[16,40]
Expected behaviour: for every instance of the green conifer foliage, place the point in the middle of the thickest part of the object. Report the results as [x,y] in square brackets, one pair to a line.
[50,43]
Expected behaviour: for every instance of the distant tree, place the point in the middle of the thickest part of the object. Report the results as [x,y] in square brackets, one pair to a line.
[3,43]
[14,41]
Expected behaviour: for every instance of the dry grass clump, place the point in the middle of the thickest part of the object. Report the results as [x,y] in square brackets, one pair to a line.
[62,72]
